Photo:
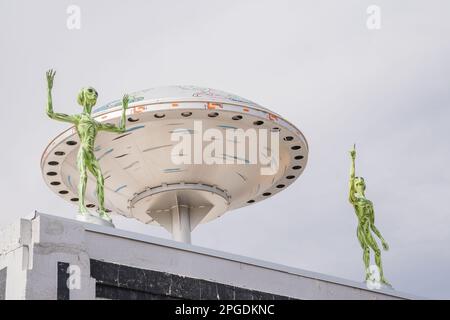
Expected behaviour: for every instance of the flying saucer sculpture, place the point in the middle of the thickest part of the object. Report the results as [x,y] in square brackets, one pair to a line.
[142,181]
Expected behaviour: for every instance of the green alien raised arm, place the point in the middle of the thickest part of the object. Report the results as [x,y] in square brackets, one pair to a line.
[87,129]
[366,220]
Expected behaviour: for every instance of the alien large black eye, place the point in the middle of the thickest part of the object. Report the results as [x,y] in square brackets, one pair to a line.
[90,90]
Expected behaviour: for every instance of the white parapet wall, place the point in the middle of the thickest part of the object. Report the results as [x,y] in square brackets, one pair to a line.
[48,257]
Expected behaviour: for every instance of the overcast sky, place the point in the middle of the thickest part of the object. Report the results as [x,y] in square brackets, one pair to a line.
[314,62]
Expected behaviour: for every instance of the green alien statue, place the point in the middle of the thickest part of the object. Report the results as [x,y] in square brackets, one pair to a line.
[87,129]
[366,221]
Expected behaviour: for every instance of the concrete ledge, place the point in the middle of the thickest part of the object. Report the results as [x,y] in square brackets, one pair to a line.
[43,253]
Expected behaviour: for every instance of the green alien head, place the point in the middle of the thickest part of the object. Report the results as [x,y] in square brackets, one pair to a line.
[87,97]
[360,185]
